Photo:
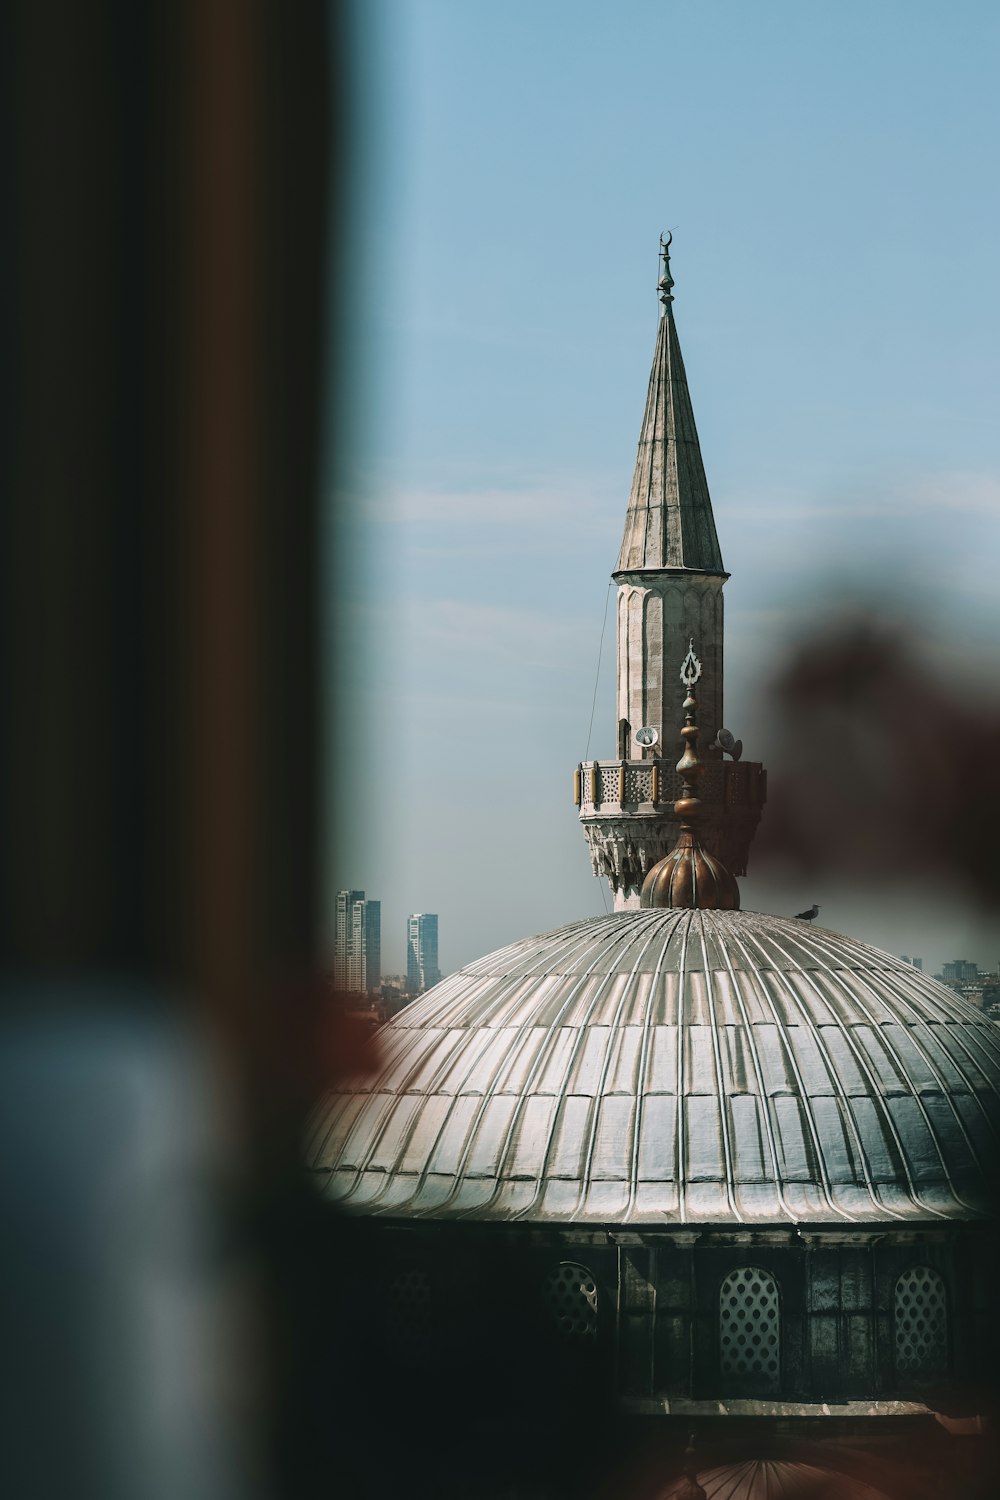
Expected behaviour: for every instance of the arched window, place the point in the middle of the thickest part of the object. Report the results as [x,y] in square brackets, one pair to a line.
[920,1318]
[750,1328]
[570,1293]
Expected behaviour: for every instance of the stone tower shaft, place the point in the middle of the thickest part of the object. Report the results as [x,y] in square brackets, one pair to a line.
[658,613]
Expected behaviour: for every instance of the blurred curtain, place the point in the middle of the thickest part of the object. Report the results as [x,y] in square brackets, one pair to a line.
[171,177]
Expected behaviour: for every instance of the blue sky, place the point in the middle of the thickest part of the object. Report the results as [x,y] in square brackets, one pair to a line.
[830,174]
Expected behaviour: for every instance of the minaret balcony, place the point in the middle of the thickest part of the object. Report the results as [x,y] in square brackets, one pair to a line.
[627,812]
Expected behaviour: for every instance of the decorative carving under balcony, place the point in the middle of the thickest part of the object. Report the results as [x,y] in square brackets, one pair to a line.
[627,835]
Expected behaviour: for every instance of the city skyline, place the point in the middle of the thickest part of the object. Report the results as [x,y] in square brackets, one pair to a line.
[391,956]
[396,965]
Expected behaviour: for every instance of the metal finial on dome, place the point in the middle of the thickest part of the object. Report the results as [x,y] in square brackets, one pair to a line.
[689,876]
[690,667]
[666,281]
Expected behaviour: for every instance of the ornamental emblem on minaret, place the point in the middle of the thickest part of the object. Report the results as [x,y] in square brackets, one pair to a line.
[670,579]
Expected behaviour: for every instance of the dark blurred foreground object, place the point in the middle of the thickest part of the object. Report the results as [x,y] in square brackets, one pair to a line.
[171,203]
[885,769]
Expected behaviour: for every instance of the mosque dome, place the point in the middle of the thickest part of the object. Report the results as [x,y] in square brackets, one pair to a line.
[667,1067]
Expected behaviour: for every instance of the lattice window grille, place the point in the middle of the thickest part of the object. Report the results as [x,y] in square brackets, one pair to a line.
[711,781]
[410,1312]
[737,783]
[750,1326]
[639,786]
[571,1296]
[920,1309]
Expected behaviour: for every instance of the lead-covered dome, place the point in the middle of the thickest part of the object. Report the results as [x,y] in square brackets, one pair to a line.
[664,1067]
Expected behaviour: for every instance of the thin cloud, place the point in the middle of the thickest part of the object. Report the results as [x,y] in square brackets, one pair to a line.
[454,627]
[526,509]
[976,494]
[901,495]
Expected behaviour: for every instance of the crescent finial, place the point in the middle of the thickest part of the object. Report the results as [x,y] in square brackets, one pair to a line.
[666,281]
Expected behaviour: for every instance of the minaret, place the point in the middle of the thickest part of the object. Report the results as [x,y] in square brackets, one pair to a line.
[670,579]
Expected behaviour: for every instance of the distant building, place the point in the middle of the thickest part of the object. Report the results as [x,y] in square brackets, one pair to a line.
[357,948]
[394,996]
[960,971]
[422,952]
[918,963]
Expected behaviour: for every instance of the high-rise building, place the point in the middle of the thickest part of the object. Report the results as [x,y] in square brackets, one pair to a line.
[421,951]
[960,970]
[357,947]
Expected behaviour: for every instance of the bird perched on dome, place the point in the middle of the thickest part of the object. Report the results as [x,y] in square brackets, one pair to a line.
[807,916]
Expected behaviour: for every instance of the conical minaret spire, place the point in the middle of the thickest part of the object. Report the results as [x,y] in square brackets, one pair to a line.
[669,523]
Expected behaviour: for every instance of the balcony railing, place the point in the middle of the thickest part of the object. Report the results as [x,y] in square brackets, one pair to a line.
[652,785]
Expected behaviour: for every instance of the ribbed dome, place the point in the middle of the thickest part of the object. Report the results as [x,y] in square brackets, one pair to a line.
[816,1079]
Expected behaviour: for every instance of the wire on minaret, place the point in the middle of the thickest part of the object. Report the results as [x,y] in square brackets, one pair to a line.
[597,679]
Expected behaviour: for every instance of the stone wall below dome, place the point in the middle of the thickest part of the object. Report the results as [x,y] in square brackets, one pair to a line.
[877,1323]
